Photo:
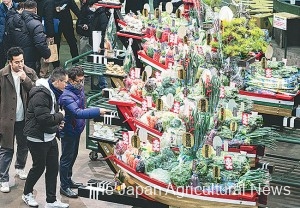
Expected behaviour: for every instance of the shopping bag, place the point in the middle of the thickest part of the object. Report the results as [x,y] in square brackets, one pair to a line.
[54,53]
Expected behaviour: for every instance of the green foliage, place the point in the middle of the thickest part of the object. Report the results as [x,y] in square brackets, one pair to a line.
[239,38]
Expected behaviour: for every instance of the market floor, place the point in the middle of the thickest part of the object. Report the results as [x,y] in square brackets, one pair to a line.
[84,169]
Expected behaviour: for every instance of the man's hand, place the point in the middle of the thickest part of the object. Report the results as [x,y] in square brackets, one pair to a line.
[62,112]
[85,27]
[103,111]
[50,40]
[22,75]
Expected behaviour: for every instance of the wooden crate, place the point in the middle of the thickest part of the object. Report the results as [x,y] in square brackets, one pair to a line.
[272,110]
[264,21]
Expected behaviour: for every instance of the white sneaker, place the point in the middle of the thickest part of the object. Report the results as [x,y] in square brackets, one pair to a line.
[29,200]
[4,187]
[56,204]
[21,173]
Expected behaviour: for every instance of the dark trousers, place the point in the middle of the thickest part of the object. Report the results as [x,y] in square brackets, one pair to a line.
[69,152]
[6,154]
[66,28]
[44,155]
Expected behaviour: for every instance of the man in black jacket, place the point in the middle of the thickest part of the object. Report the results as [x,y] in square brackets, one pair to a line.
[42,121]
[26,31]
[63,13]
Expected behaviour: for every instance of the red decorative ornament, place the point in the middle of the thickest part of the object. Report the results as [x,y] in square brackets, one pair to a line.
[156,145]
[228,162]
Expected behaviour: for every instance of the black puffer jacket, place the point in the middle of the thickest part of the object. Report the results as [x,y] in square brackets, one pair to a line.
[46,10]
[36,41]
[38,117]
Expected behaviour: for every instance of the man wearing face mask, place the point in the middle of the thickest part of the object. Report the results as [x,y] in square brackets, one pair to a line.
[72,101]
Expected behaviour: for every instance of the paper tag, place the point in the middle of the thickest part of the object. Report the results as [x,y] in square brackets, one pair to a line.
[157,75]
[132,73]
[268,72]
[186,107]
[125,138]
[188,140]
[284,61]
[218,150]
[222,92]
[245,119]
[143,135]
[156,145]
[149,101]
[232,84]
[225,146]
[130,134]
[137,73]
[242,108]
[173,23]
[144,105]
[176,107]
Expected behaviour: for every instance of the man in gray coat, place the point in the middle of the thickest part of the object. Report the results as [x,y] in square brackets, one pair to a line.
[16,80]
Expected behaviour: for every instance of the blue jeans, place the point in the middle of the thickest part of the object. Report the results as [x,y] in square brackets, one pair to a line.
[69,152]
[102,83]
[6,154]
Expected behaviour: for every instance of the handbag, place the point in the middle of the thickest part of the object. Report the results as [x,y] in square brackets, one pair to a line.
[54,53]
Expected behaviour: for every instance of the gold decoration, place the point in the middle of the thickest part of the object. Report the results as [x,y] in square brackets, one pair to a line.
[203,105]
[188,140]
[159,104]
[216,172]
[207,151]
[233,126]
[135,141]
[144,76]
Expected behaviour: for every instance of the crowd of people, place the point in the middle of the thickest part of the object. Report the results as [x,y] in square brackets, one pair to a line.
[36,110]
